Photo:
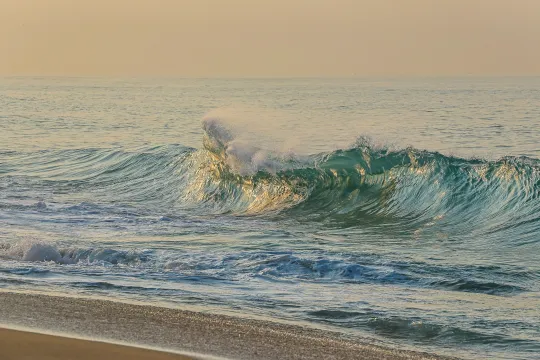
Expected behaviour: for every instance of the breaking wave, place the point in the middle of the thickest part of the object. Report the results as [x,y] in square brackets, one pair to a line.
[356,187]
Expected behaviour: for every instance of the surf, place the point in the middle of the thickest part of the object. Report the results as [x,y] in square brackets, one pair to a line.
[352,187]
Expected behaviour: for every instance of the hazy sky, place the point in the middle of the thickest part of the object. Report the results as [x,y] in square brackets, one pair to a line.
[269,37]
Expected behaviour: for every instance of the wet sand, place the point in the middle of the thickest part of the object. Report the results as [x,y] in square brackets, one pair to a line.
[19,345]
[169,329]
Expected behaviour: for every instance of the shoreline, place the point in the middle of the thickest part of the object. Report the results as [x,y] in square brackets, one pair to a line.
[182,334]
[20,344]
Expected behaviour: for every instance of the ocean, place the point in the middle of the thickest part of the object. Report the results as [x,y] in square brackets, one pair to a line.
[402,211]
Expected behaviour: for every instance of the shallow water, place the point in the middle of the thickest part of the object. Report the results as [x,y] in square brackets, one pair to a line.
[407,211]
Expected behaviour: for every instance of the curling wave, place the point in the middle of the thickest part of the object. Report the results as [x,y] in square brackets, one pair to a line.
[364,184]
[409,189]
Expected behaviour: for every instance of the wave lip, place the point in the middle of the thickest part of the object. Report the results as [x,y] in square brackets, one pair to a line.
[241,155]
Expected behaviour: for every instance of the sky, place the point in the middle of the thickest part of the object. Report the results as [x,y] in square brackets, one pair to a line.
[251,38]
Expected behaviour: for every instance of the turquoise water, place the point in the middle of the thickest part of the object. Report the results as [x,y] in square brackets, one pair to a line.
[406,211]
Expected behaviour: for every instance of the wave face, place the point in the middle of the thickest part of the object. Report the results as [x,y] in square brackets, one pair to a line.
[355,187]
[364,186]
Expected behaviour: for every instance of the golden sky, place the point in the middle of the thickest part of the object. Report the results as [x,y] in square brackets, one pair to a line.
[269,37]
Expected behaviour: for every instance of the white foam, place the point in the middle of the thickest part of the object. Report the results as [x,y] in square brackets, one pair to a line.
[32,250]
[42,252]
[245,141]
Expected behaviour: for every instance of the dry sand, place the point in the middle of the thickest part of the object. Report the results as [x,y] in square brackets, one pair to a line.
[166,328]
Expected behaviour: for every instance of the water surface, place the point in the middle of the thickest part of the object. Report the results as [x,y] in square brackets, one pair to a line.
[407,211]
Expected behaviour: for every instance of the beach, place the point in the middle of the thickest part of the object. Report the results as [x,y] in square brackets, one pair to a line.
[99,325]
[26,345]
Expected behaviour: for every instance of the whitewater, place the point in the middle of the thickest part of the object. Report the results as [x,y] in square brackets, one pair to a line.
[403,211]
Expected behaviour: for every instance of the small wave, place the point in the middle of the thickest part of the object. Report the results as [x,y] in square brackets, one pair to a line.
[25,271]
[36,251]
[486,287]
[271,266]
[287,266]
[417,329]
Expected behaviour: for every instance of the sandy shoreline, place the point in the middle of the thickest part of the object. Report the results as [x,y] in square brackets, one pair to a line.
[18,345]
[169,329]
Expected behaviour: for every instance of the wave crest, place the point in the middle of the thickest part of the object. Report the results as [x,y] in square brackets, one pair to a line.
[421,192]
